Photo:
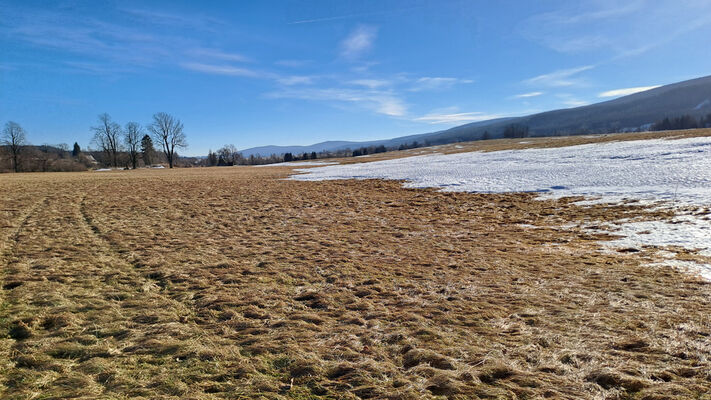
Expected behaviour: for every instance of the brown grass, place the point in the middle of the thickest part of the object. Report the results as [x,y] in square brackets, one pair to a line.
[234,283]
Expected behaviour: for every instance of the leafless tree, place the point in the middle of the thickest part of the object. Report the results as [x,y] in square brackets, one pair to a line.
[132,139]
[229,154]
[13,136]
[168,130]
[107,135]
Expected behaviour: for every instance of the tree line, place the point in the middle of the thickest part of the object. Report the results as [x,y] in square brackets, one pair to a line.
[118,146]
[132,139]
[682,122]
[19,155]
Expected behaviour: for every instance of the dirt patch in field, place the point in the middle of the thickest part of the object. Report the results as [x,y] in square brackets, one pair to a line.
[235,283]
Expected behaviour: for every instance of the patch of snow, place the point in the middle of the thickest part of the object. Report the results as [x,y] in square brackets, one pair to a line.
[158,167]
[644,169]
[703,104]
[656,173]
[686,231]
[102,169]
[703,270]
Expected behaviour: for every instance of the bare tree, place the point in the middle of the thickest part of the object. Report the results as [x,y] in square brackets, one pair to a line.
[13,136]
[107,135]
[228,155]
[132,139]
[168,130]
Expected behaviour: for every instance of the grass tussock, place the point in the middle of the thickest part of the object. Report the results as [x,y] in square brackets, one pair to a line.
[233,283]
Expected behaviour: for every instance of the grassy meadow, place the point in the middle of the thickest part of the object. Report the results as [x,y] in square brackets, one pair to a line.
[233,283]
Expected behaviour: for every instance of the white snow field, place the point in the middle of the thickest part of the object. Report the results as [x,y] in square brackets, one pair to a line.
[678,171]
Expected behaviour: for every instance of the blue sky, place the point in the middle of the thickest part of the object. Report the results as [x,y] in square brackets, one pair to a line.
[254,73]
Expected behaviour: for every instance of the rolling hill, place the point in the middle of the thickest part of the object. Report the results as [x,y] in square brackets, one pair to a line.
[626,113]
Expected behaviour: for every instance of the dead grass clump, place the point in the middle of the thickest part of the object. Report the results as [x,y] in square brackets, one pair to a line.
[20,330]
[57,321]
[303,367]
[308,317]
[631,344]
[443,385]
[609,379]
[157,346]
[496,372]
[38,362]
[341,370]
[11,285]
[313,300]
[416,357]
[252,312]
[76,351]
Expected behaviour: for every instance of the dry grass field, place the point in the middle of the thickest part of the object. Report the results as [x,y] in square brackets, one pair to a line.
[232,283]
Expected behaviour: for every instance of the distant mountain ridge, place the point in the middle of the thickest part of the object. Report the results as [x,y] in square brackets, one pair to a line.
[627,113]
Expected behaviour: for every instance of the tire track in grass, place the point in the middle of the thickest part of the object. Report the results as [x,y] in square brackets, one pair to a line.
[173,334]
[85,322]
[9,244]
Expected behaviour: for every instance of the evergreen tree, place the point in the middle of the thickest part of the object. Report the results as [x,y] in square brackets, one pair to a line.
[77,150]
[147,149]
[211,159]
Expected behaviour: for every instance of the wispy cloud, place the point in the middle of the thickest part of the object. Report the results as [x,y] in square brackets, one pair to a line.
[569,100]
[527,95]
[296,80]
[626,91]
[435,118]
[621,29]
[359,41]
[219,55]
[163,18]
[575,102]
[381,102]
[436,83]
[227,70]
[559,78]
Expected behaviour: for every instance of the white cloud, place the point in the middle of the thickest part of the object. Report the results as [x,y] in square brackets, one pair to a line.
[220,55]
[626,91]
[380,102]
[358,42]
[527,95]
[435,118]
[436,83]
[575,103]
[226,70]
[559,78]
